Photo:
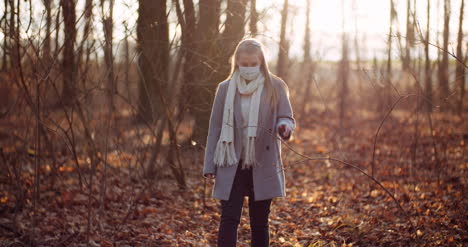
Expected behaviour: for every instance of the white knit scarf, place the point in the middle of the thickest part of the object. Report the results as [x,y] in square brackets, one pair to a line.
[225,154]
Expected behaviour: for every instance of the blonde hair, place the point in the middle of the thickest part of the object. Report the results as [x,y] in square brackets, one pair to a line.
[250,46]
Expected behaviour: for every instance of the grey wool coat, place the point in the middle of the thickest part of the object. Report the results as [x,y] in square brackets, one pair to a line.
[268,178]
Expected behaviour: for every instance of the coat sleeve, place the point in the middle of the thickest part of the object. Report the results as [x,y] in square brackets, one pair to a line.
[285,113]
[214,130]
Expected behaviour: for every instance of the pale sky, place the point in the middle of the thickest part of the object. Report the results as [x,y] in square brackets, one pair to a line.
[370,17]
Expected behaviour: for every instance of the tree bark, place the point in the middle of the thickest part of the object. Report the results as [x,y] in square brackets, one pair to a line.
[234,30]
[427,66]
[68,62]
[460,69]
[88,16]
[57,32]
[108,27]
[215,50]
[107,24]
[443,66]
[153,60]
[5,38]
[387,100]
[253,18]
[127,62]
[46,49]
[13,36]
[188,23]
[409,37]
[307,66]
[282,63]
[343,78]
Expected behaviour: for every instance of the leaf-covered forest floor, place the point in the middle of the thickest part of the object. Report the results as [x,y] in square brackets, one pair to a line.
[327,203]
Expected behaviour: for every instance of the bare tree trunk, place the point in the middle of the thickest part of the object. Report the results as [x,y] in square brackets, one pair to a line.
[387,101]
[5,38]
[343,74]
[427,66]
[13,37]
[107,21]
[443,66]
[57,32]
[153,49]
[253,18]
[189,60]
[307,66]
[88,15]
[215,49]
[46,49]
[357,46]
[409,37]
[283,53]
[68,62]
[188,23]
[460,69]
[199,87]
[108,49]
[127,62]
[343,78]
[234,30]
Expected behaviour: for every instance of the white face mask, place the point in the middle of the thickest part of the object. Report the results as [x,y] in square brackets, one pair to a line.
[249,73]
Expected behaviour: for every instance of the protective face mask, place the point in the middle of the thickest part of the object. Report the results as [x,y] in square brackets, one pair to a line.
[249,73]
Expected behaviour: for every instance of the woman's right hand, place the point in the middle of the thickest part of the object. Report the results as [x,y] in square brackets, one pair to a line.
[210,175]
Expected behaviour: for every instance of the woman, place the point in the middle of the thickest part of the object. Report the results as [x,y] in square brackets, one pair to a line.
[243,153]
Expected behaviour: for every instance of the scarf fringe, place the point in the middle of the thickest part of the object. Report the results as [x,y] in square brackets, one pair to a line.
[250,160]
[225,154]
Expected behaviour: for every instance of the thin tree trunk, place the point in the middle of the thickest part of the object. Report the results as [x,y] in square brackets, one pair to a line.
[189,62]
[207,34]
[107,20]
[253,18]
[409,37]
[153,49]
[387,89]
[307,66]
[57,32]
[13,38]
[343,77]
[46,49]
[233,32]
[443,66]
[282,63]
[188,22]
[357,46]
[68,62]
[5,39]
[460,69]
[108,50]
[88,15]
[427,66]
[127,62]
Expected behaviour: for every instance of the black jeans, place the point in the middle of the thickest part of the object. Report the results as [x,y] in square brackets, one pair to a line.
[231,211]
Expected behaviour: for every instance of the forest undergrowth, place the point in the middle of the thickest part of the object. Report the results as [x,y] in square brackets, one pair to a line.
[327,203]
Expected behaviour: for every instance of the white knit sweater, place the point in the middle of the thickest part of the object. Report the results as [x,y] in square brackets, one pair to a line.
[245,106]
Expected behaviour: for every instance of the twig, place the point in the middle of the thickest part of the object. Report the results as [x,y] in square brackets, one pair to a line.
[380,126]
[61,243]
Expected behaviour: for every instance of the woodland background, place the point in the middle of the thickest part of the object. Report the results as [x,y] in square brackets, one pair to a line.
[102,140]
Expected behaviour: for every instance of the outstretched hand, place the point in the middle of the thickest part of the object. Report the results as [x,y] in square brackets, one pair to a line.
[284,131]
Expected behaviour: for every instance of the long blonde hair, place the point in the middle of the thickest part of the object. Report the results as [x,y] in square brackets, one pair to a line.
[251,45]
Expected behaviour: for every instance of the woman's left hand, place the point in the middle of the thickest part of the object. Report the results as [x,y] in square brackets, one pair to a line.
[284,131]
